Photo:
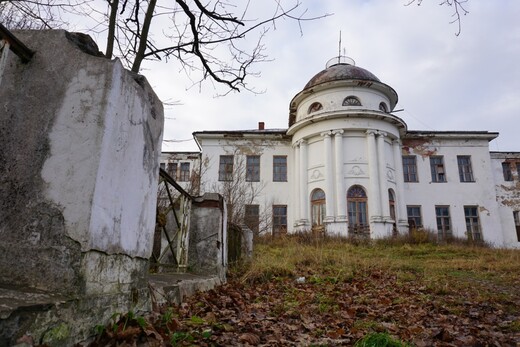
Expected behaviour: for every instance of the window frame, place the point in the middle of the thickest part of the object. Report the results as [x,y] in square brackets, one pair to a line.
[279,219]
[507,171]
[252,168]
[171,169]
[472,221]
[184,174]
[279,171]
[465,169]
[416,218]
[357,210]
[357,101]
[226,167]
[444,230]
[318,207]
[408,175]
[438,169]
[252,220]
[516,220]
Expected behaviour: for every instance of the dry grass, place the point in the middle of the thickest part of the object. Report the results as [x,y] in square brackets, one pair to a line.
[483,270]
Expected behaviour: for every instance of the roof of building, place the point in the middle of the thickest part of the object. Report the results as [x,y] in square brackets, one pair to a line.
[341,71]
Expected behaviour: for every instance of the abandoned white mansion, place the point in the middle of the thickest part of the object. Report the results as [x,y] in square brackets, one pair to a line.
[347,165]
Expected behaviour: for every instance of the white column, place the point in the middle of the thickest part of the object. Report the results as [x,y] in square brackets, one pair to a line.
[304,205]
[383,182]
[296,183]
[329,178]
[402,217]
[374,202]
[341,194]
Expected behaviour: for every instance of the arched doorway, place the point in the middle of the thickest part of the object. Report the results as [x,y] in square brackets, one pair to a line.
[357,210]
[318,205]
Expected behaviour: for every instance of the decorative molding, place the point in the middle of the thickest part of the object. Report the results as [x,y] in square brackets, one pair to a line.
[316,174]
[371,132]
[325,133]
[356,171]
[390,175]
[382,133]
[337,132]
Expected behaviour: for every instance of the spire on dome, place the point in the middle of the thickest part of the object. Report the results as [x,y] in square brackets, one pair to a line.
[341,58]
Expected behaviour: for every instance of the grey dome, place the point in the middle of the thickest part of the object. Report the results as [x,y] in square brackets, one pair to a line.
[340,72]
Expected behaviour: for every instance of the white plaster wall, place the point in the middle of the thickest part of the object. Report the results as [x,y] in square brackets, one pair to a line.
[103,165]
[273,193]
[508,196]
[454,193]
[332,100]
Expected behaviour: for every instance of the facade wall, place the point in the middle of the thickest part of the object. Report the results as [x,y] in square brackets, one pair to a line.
[453,193]
[264,193]
[508,195]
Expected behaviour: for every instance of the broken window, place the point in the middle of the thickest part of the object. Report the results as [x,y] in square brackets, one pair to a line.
[410,168]
[465,170]
[351,101]
[279,168]
[318,207]
[443,222]
[253,168]
[437,169]
[225,169]
[252,217]
[472,223]
[506,169]
[184,175]
[279,219]
[357,210]
[516,216]
[172,170]
[414,217]
[383,107]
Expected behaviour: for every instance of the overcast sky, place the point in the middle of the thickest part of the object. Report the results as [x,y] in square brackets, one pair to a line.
[444,81]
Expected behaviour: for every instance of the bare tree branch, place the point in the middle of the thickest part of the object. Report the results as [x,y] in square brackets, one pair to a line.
[458,6]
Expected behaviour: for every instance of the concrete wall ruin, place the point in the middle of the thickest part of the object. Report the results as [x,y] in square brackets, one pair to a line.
[80,139]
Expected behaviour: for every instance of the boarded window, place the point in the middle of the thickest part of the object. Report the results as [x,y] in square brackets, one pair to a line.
[437,169]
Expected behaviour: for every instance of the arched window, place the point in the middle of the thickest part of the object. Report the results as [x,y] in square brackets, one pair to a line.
[315,106]
[357,210]
[351,101]
[318,207]
[383,107]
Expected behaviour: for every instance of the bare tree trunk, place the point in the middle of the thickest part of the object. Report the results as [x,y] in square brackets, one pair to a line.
[114,5]
[144,37]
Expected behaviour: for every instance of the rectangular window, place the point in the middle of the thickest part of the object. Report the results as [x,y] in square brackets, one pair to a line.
[516,216]
[172,170]
[252,217]
[225,169]
[443,222]
[465,170]
[279,219]
[253,168]
[437,169]
[410,168]
[163,166]
[506,169]
[279,168]
[472,223]
[414,217]
[518,170]
[184,175]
